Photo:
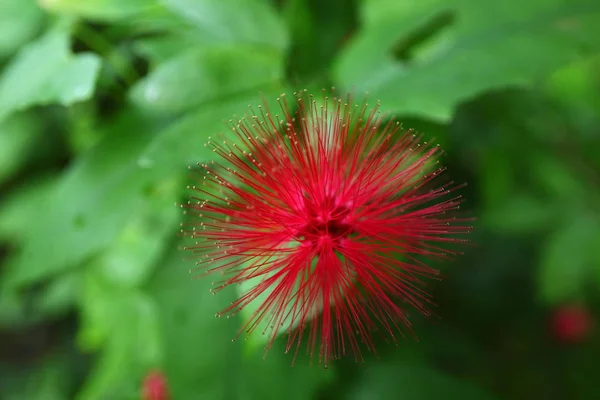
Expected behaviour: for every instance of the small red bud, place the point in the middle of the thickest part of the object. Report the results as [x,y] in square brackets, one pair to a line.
[154,386]
[571,323]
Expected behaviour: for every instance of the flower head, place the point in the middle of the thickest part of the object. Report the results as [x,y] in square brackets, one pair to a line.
[330,212]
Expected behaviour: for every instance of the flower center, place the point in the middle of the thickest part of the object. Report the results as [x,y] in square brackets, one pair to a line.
[326,220]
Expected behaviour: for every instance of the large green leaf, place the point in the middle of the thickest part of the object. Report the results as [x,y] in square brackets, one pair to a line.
[90,205]
[48,380]
[22,310]
[18,206]
[160,49]
[474,46]
[19,135]
[124,326]
[414,382]
[238,21]
[521,213]
[200,359]
[108,185]
[183,143]
[110,10]
[577,88]
[130,259]
[203,74]
[317,29]
[559,179]
[45,72]
[568,260]
[20,20]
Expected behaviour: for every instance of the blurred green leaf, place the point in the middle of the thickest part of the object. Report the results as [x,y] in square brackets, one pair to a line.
[577,88]
[568,260]
[91,203]
[415,382]
[183,143]
[521,213]
[451,51]
[98,195]
[129,261]
[19,134]
[124,324]
[318,29]
[161,49]
[199,351]
[20,310]
[20,20]
[497,177]
[500,124]
[44,72]
[210,31]
[106,10]
[198,347]
[82,132]
[237,21]
[298,382]
[596,260]
[557,178]
[203,74]
[49,380]
[12,309]
[59,296]
[19,207]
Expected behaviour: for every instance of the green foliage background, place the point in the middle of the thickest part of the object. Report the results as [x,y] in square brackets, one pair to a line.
[104,104]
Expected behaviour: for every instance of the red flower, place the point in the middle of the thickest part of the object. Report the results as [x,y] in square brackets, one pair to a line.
[331,212]
[154,387]
[571,323]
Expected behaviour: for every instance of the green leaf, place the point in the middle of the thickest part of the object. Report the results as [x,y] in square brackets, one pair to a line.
[64,78]
[577,89]
[12,309]
[163,48]
[20,20]
[130,260]
[58,296]
[414,382]
[125,325]
[557,178]
[19,134]
[100,193]
[199,349]
[50,379]
[497,176]
[201,75]
[318,29]
[23,309]
[236,21]
[595,259]
[183,143]
[105,10]
[453,50]
[521,213]
[568,260]
[19,207]
[91,203]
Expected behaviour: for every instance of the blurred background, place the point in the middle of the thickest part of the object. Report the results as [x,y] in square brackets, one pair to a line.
[104,104]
